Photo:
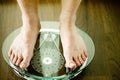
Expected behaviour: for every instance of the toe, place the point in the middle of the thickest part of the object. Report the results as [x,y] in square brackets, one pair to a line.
[19,60]
[15,59]
[83,56]
[85,52]
[25,63]
[77,61]
[12,56]
[9,52]
[81,60]
[70,63]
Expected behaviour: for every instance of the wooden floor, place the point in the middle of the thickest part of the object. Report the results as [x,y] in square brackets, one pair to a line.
[99,18]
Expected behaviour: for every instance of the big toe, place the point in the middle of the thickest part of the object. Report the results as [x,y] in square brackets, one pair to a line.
[70,63]
[25,63]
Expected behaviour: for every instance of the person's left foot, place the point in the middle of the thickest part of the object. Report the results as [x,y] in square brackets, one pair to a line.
[74,48]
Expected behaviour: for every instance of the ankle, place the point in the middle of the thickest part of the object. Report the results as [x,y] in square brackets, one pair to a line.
[64,25]
[32,22]
[33,19]
[31,27]
[66,21]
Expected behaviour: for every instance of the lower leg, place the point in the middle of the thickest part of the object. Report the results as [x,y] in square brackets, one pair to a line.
[21,50]
[74,48]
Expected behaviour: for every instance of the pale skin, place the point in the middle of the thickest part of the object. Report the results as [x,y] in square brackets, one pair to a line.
[74,49]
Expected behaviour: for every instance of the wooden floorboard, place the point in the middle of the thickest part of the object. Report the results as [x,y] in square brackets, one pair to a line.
[99,18]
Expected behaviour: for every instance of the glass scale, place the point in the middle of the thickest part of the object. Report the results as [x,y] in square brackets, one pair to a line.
[48,62]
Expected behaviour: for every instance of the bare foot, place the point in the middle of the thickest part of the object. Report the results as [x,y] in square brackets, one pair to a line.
[21,50]
[74,49]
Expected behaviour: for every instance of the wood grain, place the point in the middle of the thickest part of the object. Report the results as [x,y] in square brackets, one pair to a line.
[99,18]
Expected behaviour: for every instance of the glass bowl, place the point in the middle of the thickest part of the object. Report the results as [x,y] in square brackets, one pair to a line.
[48,62]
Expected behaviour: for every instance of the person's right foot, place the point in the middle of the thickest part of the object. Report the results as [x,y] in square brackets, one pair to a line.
[21,50]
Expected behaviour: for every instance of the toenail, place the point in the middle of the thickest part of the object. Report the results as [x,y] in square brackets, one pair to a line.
[82,62]
[72,65]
